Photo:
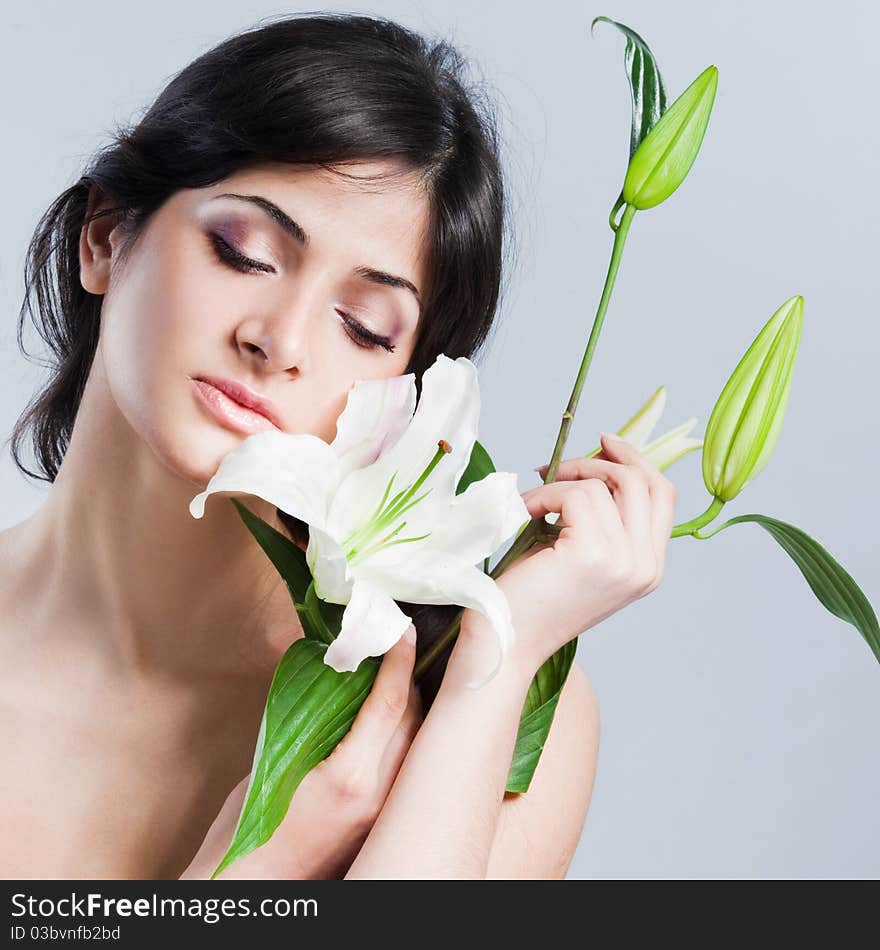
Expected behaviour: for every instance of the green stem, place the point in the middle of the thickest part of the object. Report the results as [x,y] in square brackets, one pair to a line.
[430,655]
[724,524]
[538,529]
[691,527]
[568,416]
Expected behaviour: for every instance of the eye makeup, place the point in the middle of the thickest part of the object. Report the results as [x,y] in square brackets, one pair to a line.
[228,253]
[231,235]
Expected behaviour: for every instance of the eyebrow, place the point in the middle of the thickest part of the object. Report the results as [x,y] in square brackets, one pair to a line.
[295,230]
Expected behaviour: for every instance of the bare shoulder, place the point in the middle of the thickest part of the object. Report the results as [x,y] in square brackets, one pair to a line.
[571,750]
[539,830]
[578,689]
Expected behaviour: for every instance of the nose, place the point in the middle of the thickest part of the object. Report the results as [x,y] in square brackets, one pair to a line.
[278,339]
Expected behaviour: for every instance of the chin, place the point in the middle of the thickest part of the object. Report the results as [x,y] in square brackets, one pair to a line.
[193,453]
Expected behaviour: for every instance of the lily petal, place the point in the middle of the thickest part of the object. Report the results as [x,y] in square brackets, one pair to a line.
[450,580]
[639,428]
[481,518]
[296,472]
[671,446]
[371,624]
[329,566]
[448,408]
[375,416]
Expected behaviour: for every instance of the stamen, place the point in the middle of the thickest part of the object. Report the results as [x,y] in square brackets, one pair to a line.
[382,519]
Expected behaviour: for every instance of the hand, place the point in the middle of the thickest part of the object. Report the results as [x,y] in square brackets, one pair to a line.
[335,805]
[616,513]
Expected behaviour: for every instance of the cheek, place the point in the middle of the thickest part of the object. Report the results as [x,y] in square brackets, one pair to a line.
[159,326]
[320,398]
[332,383]
[324,426]
[335,364]
[158,322]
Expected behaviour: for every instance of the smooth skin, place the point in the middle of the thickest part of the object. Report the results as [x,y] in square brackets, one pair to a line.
[138,643]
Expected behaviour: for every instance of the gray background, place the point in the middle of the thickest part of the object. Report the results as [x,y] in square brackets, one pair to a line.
[739,718]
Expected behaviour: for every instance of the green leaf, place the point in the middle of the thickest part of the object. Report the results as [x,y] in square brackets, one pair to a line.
[309,709]
[537,716]
[479,466]
[646,89]
[835,588]
[289,559]
[645,83]
[320,620]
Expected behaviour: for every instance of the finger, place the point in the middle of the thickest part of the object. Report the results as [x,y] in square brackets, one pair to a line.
[663,503]
[397,749]
[620,450]
[661,489]
[627,483]
[637,509]
[588,504]
[623,456]
[386,704]
[611,472]
[601,455]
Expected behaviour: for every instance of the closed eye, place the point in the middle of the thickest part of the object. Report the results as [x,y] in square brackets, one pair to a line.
[363,336]
[358,334]
[229,255]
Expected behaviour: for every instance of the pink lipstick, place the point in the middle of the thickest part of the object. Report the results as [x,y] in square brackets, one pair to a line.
[236,406]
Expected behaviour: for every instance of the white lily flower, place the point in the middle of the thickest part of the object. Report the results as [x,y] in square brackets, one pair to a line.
[670,446]
[391,466]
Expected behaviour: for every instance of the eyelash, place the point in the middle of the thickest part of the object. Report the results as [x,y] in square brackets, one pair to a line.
[362,337]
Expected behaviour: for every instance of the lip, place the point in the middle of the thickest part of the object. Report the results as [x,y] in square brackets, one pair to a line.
[235,405]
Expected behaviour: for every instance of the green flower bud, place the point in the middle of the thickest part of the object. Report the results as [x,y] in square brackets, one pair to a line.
[744,426]
[662,161]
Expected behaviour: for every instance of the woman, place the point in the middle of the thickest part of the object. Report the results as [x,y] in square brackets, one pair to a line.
[309,203]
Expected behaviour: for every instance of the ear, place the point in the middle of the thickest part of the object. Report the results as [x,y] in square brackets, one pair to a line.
[95,244]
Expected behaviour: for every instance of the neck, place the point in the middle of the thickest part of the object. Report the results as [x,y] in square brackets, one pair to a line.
[113,560]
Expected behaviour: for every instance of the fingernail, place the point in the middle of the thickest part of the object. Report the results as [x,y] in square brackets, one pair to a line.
[410,634]
[611,436]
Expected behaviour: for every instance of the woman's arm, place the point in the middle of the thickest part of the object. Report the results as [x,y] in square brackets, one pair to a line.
[439,819]
[539,830]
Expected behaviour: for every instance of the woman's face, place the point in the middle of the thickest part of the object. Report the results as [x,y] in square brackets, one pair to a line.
[294,323]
